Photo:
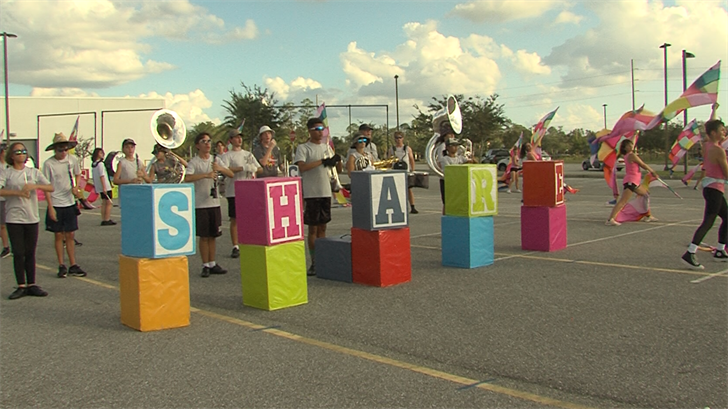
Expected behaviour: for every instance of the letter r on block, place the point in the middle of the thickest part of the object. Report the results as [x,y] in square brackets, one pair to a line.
[285,222]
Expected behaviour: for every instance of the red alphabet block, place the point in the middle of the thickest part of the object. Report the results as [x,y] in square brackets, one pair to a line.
[543,183]
[543,228]
[381,257]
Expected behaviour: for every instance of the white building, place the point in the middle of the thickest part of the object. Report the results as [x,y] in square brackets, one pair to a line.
[107,121]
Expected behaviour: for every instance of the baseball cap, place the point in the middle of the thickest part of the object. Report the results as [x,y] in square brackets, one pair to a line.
[128,141]
[233,133]
[451,142]
[365,127]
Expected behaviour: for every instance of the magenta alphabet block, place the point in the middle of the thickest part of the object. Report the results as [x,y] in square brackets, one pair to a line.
[269,211]
[543,228]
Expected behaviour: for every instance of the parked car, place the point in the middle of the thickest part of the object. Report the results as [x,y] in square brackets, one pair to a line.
[586,164]
[495,155]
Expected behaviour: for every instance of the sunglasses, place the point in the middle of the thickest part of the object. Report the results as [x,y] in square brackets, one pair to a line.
[362,140]
[61,149]
[20,152]
[317,128]
[206,141]
[399,137]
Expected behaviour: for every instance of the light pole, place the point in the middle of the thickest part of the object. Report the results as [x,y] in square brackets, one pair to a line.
[685,56]
[605,115]
[396,98]
[667,140]
[7,105]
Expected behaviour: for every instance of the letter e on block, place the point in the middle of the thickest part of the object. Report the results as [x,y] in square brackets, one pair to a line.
[285,214]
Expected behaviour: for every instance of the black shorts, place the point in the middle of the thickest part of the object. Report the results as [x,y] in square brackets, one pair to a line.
[108,195]
[316,211]
[442,190]
[231,207]
[208,222]
[630,186]
[67,221]
[2,213]
[515,169]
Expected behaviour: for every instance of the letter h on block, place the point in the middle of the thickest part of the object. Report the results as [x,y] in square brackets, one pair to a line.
[159,220]
[269,210]
[379,200]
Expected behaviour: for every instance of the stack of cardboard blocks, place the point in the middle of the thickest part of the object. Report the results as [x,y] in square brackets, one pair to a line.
[543,214]
[271,236]
[157,234]
[380,237]
[471,201]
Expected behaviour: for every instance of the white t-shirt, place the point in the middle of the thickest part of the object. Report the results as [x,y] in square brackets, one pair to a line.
[101,178]
[402,154]
[19,209]
[315,182]
[59,173]
[204,187]
[447,160]
[3,166]
[127,169]
[234,159]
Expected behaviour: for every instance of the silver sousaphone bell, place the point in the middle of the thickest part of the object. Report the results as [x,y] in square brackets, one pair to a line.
[169,131]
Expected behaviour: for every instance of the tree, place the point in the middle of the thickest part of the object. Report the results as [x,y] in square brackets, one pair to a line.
[256,106]
[83,149]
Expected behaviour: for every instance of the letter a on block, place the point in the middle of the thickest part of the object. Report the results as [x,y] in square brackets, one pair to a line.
[284,212]
[388,200]
[483,196]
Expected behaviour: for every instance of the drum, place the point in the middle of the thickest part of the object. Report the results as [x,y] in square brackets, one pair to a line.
[418,179]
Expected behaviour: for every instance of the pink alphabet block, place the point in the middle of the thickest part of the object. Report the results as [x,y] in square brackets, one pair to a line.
[269,211]
[543,228]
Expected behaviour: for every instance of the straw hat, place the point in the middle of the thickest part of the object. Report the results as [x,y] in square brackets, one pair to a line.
[60,139]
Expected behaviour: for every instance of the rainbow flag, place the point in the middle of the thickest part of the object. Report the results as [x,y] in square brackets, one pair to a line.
[321,114]
[541,127]
[516,147]
[704,91]
[240,128]
[74,132]
[629,122]
[689,136]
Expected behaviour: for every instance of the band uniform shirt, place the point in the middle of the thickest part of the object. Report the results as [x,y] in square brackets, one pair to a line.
[271,169]
[3,166]
[203,187]
[59,173]
[315,182]
[98,171]
[447,160]
[234,159]
[19,209]
[127,169]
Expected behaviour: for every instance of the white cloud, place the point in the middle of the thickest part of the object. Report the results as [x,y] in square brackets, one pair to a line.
[634,30]
[61,92]
[105,44]
[190,106]
[529,63]
[500,11]
[580,116]
[298,89]
[567,17]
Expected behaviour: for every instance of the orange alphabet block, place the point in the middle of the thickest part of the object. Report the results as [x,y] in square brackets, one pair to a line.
[543,183]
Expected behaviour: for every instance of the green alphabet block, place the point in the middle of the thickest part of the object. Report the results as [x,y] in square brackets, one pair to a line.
[273,277]
[471,190]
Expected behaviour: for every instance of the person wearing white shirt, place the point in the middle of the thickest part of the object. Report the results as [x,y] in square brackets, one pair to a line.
[102,186]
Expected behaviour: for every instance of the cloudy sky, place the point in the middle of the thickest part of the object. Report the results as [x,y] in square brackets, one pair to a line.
[536,54]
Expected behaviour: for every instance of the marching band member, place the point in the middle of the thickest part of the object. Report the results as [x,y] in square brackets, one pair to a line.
[162,170]
[102,186]
[267,153]
[18,183]
[404,154]
[451,158]
[243,165]
[130,168]
[202,171]
[360,158]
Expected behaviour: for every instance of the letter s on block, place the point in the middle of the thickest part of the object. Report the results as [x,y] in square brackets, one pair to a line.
[174,220]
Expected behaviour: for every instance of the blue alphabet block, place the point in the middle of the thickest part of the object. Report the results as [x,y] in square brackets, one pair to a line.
[157,221]
[379,200]
[333,258]
[467,242]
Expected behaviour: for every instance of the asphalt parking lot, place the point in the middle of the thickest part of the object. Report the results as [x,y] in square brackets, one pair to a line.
[613,320]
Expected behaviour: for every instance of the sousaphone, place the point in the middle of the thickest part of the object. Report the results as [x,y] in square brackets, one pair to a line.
[451,114]
[169,131]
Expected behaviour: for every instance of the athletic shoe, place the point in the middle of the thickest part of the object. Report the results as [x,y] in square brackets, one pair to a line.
[108,223]
[692,262]
[19,292]
[35,291]
[413,211]
[684,182]
[612,202]
[719,255]
[517,190]
[75,270]
[5,253]
[649,219]
[62,271]
[311,270]
[216,269]
[508,191]
[205,272]
[612,222]
[235,253]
